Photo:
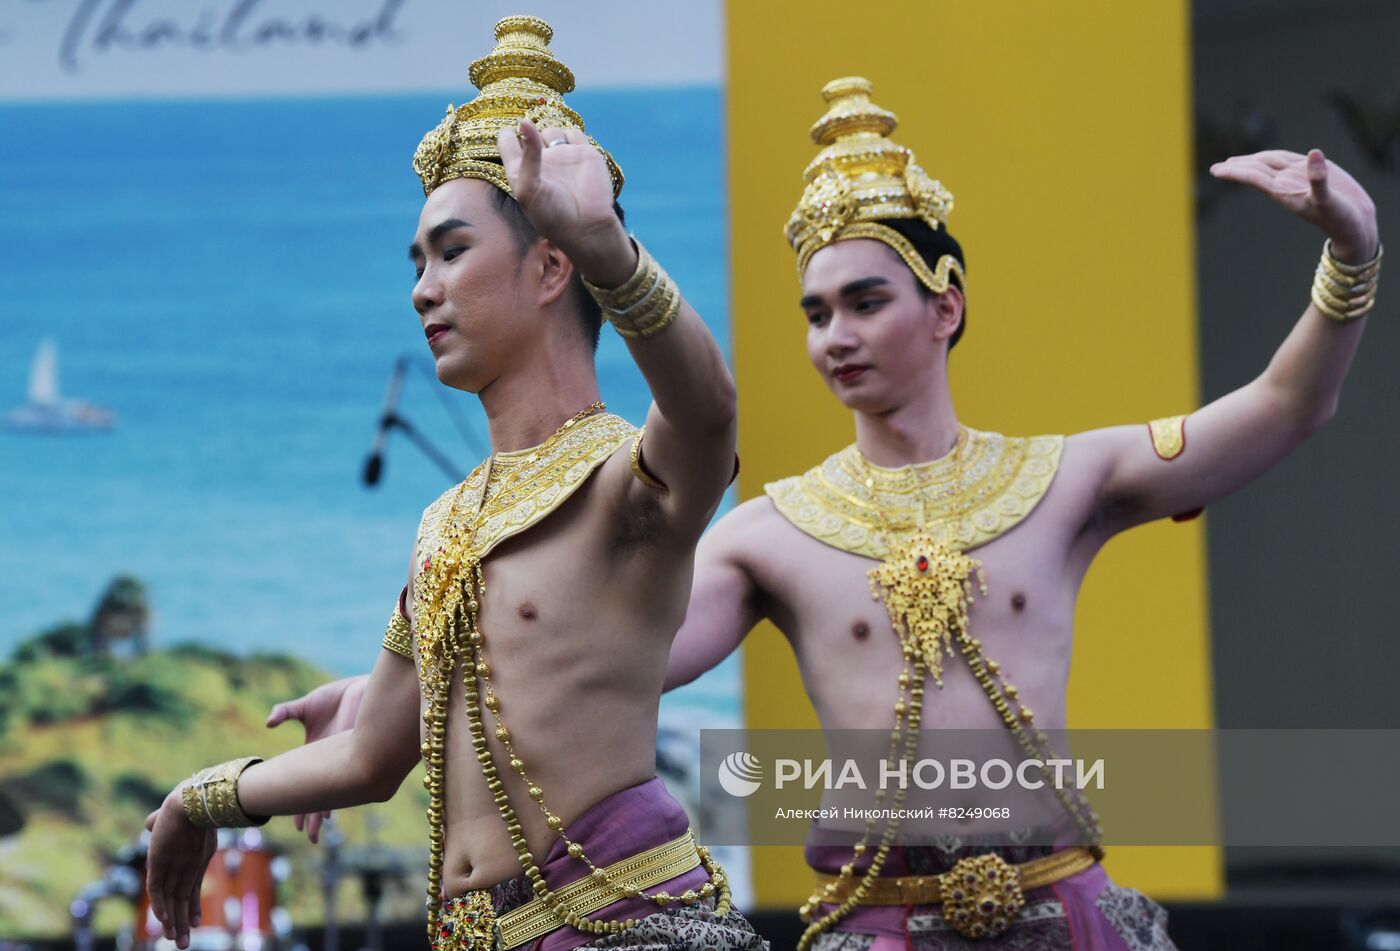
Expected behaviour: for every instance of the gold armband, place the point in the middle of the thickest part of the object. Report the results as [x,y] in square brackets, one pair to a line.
[1168,437]
[397,636]
[211,798]
[645,303]
[1345,292]
[639,470]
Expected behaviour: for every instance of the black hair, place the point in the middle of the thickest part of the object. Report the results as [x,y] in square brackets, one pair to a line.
[932,245]
[589,314]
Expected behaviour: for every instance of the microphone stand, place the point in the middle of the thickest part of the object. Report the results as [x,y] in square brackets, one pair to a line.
[389,420]
[425,446]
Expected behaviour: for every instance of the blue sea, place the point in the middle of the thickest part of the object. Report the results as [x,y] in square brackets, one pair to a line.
[229,277]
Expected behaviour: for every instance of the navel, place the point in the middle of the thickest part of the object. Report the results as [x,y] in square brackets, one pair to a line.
[527,610]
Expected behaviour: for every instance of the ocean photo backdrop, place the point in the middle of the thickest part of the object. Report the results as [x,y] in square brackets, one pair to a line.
[230,278]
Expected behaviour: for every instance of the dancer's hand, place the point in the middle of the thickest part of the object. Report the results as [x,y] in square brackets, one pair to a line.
[561,182]
[327,710]
[1316,190]
[179,854]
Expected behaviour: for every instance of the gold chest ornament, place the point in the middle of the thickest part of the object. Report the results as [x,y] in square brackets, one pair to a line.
[919,521]
[504,496]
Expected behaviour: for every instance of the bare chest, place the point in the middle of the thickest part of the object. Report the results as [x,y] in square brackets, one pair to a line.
[823,600]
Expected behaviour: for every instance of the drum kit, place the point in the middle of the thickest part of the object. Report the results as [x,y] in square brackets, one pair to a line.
[240,906]
[242,898]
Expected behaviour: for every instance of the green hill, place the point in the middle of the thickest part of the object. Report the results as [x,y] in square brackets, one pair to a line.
[90,743]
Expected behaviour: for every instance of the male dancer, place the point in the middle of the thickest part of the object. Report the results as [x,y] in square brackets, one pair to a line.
[544,591]
[918,494]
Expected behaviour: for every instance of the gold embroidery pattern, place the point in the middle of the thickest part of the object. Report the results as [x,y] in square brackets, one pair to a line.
[1003,478]
[530,487]
[397,637]
[1168,436]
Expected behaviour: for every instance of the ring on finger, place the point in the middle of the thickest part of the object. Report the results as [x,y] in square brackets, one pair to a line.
[553,142]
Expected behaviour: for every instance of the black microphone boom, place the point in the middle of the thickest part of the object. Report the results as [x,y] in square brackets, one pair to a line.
[389,419]
[374,468]
[374,464]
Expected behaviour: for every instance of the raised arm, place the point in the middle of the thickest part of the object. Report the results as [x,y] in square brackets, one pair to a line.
[561,183]
[1185,465]
[724,601]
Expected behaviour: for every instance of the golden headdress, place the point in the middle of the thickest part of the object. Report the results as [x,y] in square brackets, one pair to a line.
[861,176]
[519,79]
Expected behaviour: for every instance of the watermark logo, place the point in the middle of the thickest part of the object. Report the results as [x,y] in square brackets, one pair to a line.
[740,774]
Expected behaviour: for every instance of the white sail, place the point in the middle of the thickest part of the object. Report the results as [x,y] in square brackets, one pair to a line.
[46,411]
[43,376]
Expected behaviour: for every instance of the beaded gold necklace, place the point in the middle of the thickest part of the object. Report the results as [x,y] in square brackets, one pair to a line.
[447,599]
[926,583]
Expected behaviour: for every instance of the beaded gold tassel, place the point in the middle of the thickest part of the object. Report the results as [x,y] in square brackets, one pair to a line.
[439,607]
[447,600]
[911,699]
[440,604]
[718,884]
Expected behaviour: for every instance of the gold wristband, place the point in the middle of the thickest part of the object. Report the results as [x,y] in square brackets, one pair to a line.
[645,304]
[1345,292]
[211,797]
[628,290]
[1331,261]
[655,315]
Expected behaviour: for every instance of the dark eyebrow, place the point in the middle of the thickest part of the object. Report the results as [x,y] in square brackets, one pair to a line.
[848,290]
[434,235]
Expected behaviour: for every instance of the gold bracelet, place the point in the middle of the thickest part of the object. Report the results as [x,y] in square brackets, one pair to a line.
[629,290]
[1345,292]
[655,315]
[1331,261]
[1332,303]
[645,304]
[211,797]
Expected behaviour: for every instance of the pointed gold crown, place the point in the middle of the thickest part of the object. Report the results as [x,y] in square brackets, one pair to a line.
[519,79]
[862,176]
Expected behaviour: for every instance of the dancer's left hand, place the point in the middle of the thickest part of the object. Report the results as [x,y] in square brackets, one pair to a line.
[561,182]
[1316,190]
[179,854]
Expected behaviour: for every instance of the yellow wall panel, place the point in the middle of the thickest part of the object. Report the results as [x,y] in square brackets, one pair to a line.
[1063,130]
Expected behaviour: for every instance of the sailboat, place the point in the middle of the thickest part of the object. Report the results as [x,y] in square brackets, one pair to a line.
[48,412]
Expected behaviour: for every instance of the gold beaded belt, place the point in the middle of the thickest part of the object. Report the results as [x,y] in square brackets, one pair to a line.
[468,923]
[980,894]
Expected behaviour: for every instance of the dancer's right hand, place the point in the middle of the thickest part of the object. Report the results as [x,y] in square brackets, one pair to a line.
[327,710]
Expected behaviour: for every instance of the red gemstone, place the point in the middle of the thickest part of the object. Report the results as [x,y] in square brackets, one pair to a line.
[922,563]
